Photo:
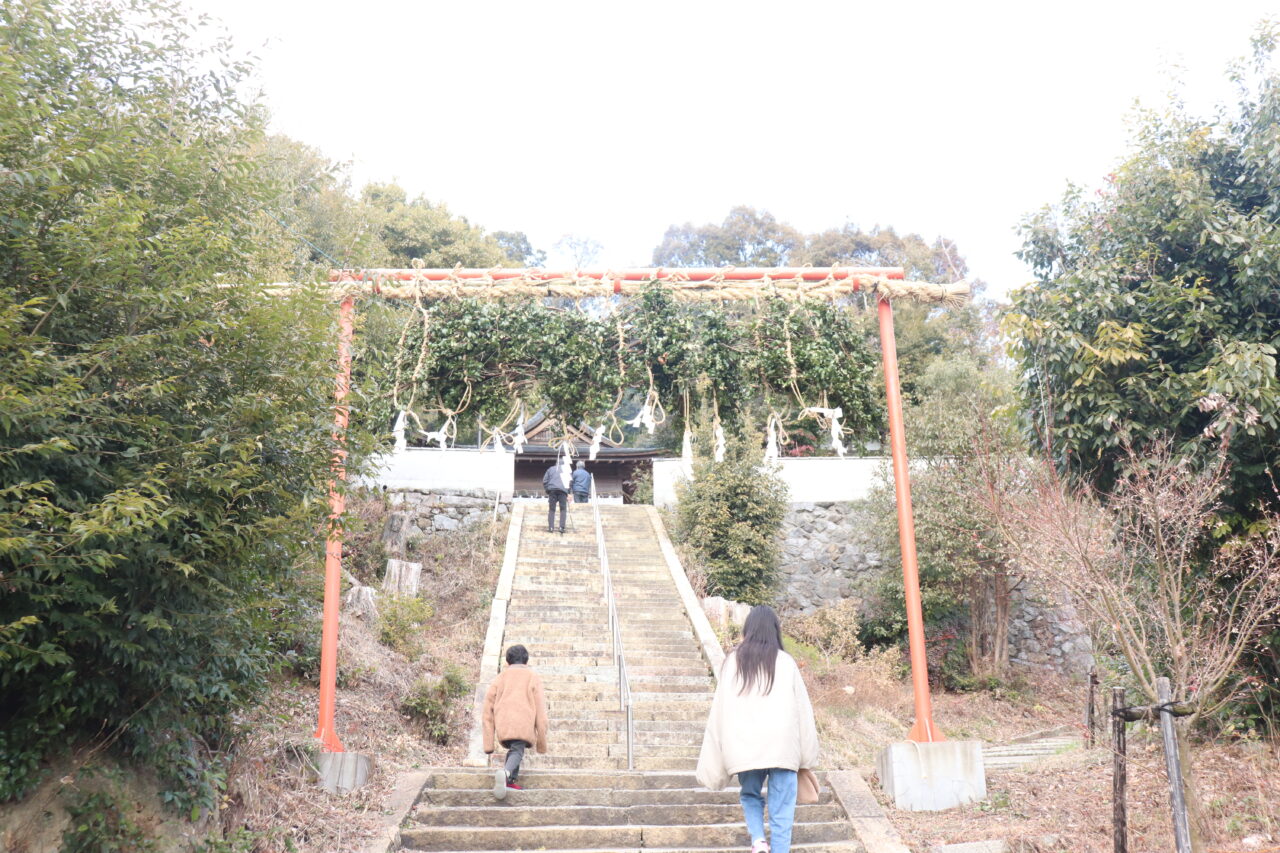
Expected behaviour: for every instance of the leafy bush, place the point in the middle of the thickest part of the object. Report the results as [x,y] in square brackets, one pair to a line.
[401,619]
[731,514]
[165,435]
[433,703]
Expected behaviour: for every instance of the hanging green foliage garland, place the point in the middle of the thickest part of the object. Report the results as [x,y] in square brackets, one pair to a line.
[467,361]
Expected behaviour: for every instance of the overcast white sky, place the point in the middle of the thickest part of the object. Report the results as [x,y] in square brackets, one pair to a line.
[615,120]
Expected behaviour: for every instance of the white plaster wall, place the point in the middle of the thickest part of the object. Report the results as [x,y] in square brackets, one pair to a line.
[809,480]
[666,473]
[431,469]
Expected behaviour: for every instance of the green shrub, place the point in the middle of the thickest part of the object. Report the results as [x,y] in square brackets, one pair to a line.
[99,824]
[401,619]
[433,703]
[731,514]
[164,438]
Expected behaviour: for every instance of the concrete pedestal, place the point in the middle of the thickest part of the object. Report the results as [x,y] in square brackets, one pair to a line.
[930,777]
[341,772]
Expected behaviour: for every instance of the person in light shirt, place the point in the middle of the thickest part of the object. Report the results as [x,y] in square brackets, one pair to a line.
[760,728]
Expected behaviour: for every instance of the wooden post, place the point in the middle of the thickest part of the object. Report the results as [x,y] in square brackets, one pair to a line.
[1119,820]
[1090,713]
[1173,766]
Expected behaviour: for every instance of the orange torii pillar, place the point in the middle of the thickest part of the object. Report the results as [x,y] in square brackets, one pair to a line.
[923,730]
[325,731]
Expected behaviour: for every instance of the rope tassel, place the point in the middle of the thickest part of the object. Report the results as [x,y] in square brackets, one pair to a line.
[597,436]
[443,435]
[832,418]
[771,446]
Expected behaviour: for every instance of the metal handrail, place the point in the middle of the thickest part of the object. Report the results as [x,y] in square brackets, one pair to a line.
[615,629]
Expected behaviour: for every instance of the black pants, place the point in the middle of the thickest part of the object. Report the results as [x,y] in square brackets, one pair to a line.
[515,754]
[561,498]
[581,497]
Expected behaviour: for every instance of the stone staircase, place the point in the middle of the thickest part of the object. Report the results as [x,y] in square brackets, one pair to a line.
[601,811]
[580,796]
[671,683]
[557,612]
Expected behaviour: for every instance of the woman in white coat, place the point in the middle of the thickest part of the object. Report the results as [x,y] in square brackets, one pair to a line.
[760,727]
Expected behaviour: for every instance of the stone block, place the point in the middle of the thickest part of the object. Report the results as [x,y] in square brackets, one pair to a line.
[932,776]
[738,612]
[716,609]
[444,522]
[342,772]
[465,500]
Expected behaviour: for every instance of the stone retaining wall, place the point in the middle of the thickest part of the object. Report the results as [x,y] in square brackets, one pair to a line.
[827,556]
[415,514]
[1048,634]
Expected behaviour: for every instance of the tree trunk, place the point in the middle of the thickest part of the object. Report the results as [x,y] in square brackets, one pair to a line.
[362,601]
[402,578]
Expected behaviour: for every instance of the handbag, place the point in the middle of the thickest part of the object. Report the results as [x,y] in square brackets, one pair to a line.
[807,787]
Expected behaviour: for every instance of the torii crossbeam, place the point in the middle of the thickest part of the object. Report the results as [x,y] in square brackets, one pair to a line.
[692,284]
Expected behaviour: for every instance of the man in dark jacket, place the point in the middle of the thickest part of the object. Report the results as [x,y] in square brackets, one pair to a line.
[557,494]
[581,484]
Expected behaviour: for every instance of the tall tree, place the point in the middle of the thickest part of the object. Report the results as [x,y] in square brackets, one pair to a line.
[422,230]
[164,433]
[317,222]
[747,238]
[519,250]
[1156,308]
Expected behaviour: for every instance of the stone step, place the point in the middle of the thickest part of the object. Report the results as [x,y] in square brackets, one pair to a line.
[634,671]
[691,729]
[558,749]
[584,814]
[646,700]
[464,778]
[821,847]
[572,836]
[534,796]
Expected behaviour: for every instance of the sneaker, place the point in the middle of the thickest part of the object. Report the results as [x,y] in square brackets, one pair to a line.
[513,786]
[760,846]
[500,784]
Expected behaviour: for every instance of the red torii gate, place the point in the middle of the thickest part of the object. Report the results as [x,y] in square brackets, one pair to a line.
[731,284]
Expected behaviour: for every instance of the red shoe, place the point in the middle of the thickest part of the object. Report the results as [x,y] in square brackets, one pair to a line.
[514,787]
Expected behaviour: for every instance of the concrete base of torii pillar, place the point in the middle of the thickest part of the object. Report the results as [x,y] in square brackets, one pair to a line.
[923,777]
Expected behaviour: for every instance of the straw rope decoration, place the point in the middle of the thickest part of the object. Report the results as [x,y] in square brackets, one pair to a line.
[716,288]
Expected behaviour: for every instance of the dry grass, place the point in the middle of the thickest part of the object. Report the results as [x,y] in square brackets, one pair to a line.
[272,789]
[1069,797]
[863,706]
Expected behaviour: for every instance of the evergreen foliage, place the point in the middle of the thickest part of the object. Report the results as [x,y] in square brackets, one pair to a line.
[164,432]
[1156,309]
[481,357]
[731,515]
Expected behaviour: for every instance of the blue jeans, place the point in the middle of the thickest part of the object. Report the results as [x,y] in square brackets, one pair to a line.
[782,805]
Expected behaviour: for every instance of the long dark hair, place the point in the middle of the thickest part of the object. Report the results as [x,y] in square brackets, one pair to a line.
[757,654]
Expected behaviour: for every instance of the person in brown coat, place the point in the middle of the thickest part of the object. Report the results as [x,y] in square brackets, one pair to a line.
[515,715]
